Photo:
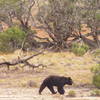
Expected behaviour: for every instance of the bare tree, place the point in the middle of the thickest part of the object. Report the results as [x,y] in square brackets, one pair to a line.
[93,18]
[56,17]
[16,9]
[63,19]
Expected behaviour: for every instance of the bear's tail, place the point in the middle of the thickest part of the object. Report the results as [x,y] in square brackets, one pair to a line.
[42,87]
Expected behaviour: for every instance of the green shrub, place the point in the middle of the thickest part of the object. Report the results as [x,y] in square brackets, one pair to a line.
[96,76]
[71,93]
[79,49]
[95,92]
[96,80]
[97,16]
[96,69]
[11,39]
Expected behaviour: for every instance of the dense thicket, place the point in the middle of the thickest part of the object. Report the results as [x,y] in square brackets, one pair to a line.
[61,19]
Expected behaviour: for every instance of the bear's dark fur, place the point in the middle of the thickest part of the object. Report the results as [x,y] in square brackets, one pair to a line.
[58,81]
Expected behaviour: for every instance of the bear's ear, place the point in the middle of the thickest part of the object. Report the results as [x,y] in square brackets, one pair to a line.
[69,78]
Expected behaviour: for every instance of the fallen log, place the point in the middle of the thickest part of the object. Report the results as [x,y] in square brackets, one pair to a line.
[33,66]
[19,61]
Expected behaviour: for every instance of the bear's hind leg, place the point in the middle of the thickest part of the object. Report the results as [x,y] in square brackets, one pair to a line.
[42,87]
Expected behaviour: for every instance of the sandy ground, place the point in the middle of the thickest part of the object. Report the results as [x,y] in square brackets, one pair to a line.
[14,84]
[32,94]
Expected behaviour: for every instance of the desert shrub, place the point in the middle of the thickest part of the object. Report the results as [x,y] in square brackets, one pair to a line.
[23,84]
[11,39]
[96,53]
[31,83]
[71,93]
[95,92]
[79,49]
[96,76]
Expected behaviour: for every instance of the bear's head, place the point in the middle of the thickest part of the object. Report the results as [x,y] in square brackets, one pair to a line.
[68,80]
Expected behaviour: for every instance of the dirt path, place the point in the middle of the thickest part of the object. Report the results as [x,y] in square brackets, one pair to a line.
[32,94]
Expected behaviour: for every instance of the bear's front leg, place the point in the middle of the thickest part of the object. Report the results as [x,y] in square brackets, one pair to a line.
[51,89]
[61,90]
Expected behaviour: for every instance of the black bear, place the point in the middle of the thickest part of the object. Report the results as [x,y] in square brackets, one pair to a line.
[58,81]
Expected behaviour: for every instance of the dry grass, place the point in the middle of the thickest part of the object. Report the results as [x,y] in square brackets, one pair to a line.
[24,83]
[63,63]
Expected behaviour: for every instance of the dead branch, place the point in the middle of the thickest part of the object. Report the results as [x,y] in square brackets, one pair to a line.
[33,66]
[19,61]
[89,42]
